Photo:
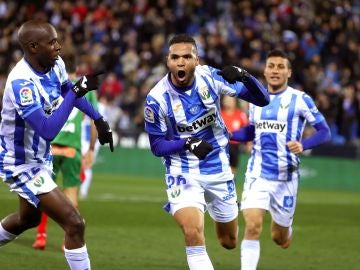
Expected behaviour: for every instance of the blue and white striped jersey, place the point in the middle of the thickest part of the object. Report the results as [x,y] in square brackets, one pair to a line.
[282,120]
[21,148]
[179,114]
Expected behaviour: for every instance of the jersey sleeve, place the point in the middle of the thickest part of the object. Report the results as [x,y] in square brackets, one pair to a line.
[155,122]
[309,110]
[24,97]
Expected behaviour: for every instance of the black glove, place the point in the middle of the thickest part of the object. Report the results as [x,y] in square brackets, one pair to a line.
[233,74]
[104,132]
[87,83]
[198,147]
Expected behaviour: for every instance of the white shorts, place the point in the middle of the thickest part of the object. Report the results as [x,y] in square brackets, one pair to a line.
[277,197]
[219,198]
[40,183]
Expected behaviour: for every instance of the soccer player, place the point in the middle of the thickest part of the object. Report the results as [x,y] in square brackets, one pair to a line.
[38,99]
[234,118]
[67,153]
[272,175]
[185,128]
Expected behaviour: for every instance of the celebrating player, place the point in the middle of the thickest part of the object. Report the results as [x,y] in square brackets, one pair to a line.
[67,153]
[38,99]
[272,174]
[182,118]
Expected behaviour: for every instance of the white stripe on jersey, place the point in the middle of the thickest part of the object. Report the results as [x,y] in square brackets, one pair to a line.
[26,91]
[282,120]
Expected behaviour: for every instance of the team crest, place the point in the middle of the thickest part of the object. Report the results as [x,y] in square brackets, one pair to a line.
[38,182]
[26,96]
[175,192]
[288,201]
[204,93]
[149,115]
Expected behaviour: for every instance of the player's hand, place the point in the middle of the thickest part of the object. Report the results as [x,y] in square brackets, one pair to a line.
[104,132]
[233,74]
[87,83]
[295,147]
[198,147]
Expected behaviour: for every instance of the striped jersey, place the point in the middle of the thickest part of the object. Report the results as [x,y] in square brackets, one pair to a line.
[282,120]
[178,114]
[26,90]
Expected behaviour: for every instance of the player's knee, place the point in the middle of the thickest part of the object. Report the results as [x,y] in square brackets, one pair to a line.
[228,242]
[279,239]
[253,230]
[193,235]
[75,225]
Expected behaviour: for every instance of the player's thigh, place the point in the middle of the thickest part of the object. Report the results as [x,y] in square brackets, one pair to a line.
[190,217]
[58,207]
[28,211]
[221,199]
[70,169]
[283,202]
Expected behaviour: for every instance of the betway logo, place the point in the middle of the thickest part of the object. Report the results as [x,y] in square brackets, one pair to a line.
[271,126]
[199,124]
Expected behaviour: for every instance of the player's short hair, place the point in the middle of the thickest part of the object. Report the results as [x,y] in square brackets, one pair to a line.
[279,53]
[182,38]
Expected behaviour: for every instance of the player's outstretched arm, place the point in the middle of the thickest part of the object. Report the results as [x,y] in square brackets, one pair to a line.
[49,127]
[257,94]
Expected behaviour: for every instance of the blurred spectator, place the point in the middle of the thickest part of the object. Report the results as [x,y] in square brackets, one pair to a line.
[110,87]
[349,114]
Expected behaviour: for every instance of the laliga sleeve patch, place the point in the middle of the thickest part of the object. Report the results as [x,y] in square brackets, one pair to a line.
[149,114]
[26,96]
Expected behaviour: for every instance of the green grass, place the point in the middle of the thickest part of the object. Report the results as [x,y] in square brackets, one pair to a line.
[127,229]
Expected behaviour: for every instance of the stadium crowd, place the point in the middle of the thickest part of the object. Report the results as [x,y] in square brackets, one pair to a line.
[128,39]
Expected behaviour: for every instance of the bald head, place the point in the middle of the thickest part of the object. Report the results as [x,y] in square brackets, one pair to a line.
[39,42]
[33,31]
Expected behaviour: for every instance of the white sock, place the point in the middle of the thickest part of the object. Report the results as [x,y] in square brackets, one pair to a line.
[198,259]
[290,232]
[78,259]
[250,254]
[5,236]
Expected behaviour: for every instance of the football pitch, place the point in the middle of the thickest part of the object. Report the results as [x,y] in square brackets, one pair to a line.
[128,229]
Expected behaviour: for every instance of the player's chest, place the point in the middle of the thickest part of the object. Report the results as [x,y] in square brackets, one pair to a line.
[280,109]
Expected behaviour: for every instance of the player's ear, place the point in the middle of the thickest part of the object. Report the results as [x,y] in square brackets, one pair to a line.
[289,73]
[32,45]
